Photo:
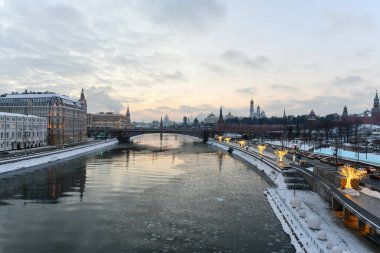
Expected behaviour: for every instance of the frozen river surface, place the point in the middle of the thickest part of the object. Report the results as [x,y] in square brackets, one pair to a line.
[157,195]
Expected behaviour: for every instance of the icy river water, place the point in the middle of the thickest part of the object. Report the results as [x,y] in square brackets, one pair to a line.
[174,194]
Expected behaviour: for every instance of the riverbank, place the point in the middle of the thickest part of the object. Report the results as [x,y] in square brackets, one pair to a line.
[303,238]
[54,156]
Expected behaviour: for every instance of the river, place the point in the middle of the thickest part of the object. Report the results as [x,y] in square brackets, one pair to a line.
[173,194]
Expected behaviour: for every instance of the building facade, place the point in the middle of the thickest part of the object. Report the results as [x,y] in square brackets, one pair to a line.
[211,119]
[66,117]
[19,131]
[167,122]
[105,120]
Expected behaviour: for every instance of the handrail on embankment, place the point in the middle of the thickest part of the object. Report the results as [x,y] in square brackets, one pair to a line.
[351,205]
[50,153]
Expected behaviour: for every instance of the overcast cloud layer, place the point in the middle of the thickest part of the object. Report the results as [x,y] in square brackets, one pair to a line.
[190,57]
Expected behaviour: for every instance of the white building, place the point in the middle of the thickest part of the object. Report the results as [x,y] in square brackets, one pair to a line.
[19,131]
[167,122]
[255,115]
[211,119]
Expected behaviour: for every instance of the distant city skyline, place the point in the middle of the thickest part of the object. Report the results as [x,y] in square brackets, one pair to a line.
[184,58]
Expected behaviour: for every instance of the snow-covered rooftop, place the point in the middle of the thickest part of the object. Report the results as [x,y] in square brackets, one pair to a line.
[19,115]
[40,95]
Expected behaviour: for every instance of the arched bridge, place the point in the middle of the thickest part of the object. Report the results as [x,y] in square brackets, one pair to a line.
[203,133]
[124,135]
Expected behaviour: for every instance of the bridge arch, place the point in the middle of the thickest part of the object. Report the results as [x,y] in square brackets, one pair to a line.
[124,135]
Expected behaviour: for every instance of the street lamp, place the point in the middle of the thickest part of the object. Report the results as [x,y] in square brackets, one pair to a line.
[261,149]
[24,138]
[242,143]
[281,153]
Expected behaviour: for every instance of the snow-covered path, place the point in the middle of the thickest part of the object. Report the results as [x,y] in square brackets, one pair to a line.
[302,237]
[53,156]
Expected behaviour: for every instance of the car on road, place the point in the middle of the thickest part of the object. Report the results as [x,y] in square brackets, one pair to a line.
[325,160]
[304,163]
[375,175]
[370,170]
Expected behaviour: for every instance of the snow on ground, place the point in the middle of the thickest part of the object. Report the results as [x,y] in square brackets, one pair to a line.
[337,234]
[274,175]
[371,193]
[302,237]
[296,242]
[310,169]
[371,157]
[218,145]
[53,156]
[301,145]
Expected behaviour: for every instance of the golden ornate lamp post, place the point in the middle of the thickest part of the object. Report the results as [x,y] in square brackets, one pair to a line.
[350,173]
[227,140]
[242,143]
[261,149]
[281,153]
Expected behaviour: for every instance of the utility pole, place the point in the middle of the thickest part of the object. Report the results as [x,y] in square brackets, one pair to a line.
[336,154]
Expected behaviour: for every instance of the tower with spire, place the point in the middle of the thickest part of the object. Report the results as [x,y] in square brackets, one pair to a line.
[128,118]
[345,112]
[376,109]
[284,118]
[83,100]
[376,105]
[161,123]
[220,120]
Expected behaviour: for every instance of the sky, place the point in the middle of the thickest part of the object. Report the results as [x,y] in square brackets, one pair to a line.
[189,57]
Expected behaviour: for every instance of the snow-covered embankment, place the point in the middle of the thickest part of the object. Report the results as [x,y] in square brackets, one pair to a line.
[298,219]
[274,175]
[54,156]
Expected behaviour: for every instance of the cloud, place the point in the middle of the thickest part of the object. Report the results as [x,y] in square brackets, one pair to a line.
[215,68]
[248,90]
[283,87]
[349,80]
[184,109]
[238,57]
[194,15]
[98,100]
[177,75]
[347,22]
